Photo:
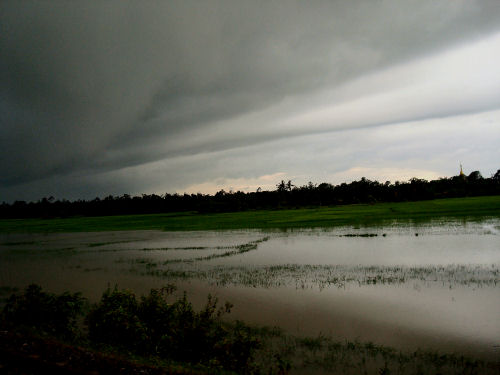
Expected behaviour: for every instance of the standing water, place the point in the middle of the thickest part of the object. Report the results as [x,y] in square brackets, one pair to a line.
[432,286]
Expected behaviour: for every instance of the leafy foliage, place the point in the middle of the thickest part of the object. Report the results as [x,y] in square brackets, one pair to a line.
[44,312]
[171,330]
[114,320]
[151,325]
[286,195]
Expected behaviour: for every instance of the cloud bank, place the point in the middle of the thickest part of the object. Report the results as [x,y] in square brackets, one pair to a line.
[124,97]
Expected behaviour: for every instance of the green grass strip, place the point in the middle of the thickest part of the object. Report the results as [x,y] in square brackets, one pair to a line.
[473,208]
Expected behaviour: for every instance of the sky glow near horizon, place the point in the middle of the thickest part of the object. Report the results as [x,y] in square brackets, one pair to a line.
[118,98]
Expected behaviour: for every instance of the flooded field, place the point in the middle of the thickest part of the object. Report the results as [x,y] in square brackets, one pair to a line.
[434,286]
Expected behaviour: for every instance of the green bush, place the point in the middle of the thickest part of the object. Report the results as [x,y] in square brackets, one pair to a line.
[171,330]
[44,312]
[152,325]
[114,321]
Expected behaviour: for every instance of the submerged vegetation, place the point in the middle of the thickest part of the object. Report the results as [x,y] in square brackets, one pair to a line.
[326,355]
[321,276]
[238,249]
[306,276]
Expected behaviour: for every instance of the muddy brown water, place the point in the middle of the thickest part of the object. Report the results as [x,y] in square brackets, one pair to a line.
[432,286]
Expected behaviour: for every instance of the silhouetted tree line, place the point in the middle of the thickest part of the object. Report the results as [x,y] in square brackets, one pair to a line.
[286,195]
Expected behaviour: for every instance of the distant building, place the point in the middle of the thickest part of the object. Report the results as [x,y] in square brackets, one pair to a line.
[462,174]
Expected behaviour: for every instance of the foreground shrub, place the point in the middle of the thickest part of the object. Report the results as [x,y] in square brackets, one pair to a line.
[171,330]
[114,321]
[43,312]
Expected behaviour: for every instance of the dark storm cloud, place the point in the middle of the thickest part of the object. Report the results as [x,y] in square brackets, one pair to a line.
[88,87]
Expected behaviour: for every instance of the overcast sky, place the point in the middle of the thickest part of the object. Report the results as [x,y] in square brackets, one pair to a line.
[105,97]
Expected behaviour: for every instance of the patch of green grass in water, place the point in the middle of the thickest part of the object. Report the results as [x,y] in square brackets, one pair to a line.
[325,354]
[357,215]
[323,276]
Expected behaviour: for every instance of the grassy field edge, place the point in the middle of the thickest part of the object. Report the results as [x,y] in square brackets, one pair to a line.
[471,208]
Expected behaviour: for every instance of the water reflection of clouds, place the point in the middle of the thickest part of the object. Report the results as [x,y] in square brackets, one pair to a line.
[441,283]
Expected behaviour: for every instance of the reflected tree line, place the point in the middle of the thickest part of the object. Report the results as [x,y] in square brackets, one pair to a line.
[286,195]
